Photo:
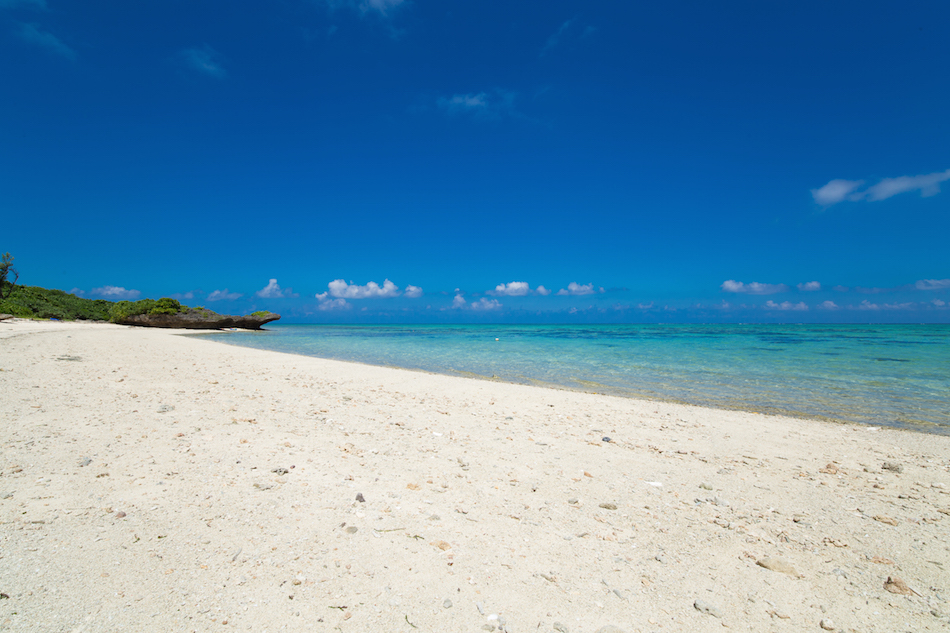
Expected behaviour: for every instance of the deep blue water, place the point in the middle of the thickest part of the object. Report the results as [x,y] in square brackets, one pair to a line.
[893,375]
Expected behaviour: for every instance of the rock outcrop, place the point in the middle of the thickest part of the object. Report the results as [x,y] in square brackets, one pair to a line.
[194,319]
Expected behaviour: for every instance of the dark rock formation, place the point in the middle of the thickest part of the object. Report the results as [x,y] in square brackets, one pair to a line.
[192,319]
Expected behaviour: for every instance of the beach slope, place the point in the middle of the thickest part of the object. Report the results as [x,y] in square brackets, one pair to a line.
[150,481]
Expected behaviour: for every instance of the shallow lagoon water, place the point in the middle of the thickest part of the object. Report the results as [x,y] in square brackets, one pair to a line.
[892,375]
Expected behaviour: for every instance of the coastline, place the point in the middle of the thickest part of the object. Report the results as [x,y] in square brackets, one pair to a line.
[896,378]
[476,492]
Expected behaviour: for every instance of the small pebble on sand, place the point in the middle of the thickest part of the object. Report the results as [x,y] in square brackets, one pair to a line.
[778,565]
[708,609]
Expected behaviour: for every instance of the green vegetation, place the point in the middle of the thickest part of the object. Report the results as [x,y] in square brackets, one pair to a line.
[124,309]
[260,313]
[7,269]
[33,302]
[40,303]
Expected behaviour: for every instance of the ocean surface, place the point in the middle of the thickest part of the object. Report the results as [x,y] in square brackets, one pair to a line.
[890,375]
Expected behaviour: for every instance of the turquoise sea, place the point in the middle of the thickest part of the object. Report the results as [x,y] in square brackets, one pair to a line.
[890,375]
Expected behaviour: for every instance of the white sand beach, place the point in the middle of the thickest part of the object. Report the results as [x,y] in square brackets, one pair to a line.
[154,482]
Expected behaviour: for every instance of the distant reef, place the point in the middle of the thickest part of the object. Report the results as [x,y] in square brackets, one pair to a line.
[33,302]
[200,319]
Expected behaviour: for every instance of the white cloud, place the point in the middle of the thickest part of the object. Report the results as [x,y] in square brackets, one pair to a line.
[835,191]
[412,292]
[512,289]
[932,284]
[483,304]
[575,289]
[484,105]
[79,292]
[827,305]
[115,293]
[517,289]
[645,306]
[273,291]
[754,288]
[223,295]
[939,303]
[839,190]
[786,305]
[183,296]
[486,304]
[30,33]
[333,304]
[339,288]
[927,184]
[204,60]
[809,286]
[867,305]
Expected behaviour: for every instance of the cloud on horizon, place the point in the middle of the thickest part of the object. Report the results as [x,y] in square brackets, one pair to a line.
[867,305]
[31,34]
[340,289]
[223,295]
[482,305]
[839,190]
[485,303]
[827,305]
[575,289]
[333,304]
[412,292]
[810,286]
[204,60]
[753,288]
[517,289]
[512,289]
[273,291]
[115,293]
[932,284]
[786,305]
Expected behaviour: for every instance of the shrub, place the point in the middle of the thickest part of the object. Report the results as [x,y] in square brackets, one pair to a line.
[165,305]
[43,303]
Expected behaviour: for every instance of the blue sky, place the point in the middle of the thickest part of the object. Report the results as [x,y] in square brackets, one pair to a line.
[492,161]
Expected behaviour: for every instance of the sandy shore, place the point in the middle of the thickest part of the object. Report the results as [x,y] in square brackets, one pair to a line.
[152,482]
